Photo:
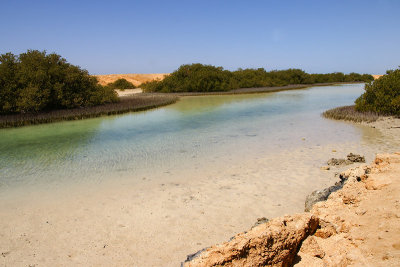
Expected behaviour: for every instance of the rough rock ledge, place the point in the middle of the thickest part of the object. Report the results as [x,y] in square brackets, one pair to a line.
[358,225]
[270,243]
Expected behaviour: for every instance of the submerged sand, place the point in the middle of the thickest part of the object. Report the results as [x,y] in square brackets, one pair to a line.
[159,220]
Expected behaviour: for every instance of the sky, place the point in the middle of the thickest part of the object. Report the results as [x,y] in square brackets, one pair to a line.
[150,36]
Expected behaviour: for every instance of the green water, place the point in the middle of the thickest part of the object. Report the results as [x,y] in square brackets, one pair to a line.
[192,133]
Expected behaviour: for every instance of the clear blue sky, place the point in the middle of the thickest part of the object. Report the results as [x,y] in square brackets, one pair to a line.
[158,36]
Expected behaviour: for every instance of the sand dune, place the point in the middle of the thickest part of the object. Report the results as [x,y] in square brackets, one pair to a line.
[377,76]
[134,78]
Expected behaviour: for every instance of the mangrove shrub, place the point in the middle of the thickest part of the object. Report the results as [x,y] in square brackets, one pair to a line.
[382,95]
[192,78]
[121,84]
[36,81]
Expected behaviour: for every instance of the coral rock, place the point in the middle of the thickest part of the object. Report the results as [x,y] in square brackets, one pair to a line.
[274,243]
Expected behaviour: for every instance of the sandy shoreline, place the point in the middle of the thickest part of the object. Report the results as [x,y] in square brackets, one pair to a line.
[159,220]
[357,225]
[170,214]
[388,126]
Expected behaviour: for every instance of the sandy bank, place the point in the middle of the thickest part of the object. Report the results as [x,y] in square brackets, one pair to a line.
[388,126]
[358,225]
[129,92]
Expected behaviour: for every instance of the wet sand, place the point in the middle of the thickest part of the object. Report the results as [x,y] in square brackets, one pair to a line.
[388,126]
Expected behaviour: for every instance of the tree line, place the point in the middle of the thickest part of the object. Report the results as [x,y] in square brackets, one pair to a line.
[207,78]
[36,81]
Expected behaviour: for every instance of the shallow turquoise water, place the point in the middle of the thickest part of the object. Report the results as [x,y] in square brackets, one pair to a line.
[192,133]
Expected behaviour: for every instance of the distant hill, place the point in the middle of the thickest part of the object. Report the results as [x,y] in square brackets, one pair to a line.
[134,78]
[377,76]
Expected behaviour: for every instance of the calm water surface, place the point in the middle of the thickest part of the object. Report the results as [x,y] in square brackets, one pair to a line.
[193,134]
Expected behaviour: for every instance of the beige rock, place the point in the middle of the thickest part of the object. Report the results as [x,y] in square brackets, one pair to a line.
[326,229]
[274,243]
[310,247]
[359,227]
[378,182]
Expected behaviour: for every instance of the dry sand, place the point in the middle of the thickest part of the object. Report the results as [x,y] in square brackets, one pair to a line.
[128,92]
[158,220]
[135,78]
[377,76]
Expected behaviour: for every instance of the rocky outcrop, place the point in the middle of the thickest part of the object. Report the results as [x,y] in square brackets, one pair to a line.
[355,158]
[274,243]
[351,158]
[320,195]
[338,162]
[358,225]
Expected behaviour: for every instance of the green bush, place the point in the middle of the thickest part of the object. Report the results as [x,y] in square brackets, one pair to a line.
[207,78]
[192,78]
[382,96]
[121,84]
[36,81]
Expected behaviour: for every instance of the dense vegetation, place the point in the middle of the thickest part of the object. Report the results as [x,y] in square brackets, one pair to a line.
[121,84]
[382,96]
[207,78]
[35,81]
